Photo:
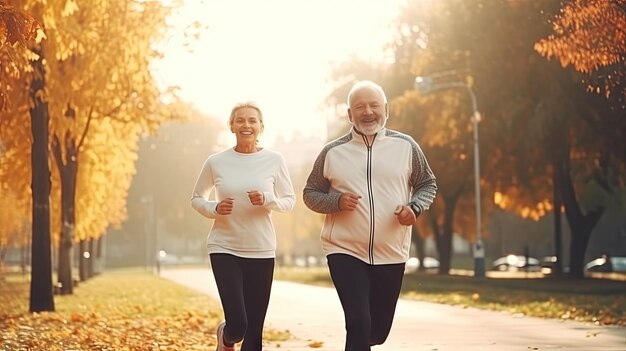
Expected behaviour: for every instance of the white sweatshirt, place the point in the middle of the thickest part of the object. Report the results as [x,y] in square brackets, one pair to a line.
[248,231]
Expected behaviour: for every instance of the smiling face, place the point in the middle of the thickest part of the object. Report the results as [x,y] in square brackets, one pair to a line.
[367,109]
[247,124]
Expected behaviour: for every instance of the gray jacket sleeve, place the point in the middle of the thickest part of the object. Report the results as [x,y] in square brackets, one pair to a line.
[316,194]
[422,181]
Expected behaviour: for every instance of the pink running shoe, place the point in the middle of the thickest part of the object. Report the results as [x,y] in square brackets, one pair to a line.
[220,339]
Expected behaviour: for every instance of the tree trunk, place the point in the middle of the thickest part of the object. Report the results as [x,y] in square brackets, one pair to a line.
[41,290]
[2,254]
[90,259]
[444,237]
[67,169]
[556,197]
[99,257]
[420,250]
[437,235]
[82,260]
[86,258]
[580,224]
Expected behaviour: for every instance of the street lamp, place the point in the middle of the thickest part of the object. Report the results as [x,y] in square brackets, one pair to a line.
[428,85]
[150,228]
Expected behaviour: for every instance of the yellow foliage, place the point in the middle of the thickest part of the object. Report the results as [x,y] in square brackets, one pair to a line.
[69,9]
[101,97]
[514,200]
[587,35]
[15,178]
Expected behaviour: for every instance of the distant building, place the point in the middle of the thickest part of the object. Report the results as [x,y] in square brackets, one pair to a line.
[299,152]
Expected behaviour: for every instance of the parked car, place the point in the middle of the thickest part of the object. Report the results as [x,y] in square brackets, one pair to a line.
[413,264]
[514,263]
[549,264]
[607,264]
[307,261]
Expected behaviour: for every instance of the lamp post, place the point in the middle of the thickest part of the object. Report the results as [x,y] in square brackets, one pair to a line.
[150,231]
[427,85]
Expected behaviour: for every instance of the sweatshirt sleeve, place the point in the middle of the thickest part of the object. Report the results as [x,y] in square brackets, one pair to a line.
[283,198]
[316,195]
[201,191]
[423,182]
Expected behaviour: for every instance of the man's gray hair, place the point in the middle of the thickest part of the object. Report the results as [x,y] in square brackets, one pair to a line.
[365,84]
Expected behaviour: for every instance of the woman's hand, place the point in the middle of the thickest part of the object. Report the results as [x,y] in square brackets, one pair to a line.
[256,197]
[225,207]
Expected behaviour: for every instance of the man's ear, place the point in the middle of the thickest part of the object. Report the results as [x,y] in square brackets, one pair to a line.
[350,116]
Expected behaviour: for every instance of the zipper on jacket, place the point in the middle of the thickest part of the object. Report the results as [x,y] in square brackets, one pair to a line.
[370,196]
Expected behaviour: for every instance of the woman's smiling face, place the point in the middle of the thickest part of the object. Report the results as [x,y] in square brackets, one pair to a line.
[246,124]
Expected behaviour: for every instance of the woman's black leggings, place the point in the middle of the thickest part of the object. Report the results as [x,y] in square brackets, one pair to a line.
[368,295]
[244,285]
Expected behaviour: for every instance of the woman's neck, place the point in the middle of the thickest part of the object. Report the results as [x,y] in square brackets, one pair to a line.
[246,148]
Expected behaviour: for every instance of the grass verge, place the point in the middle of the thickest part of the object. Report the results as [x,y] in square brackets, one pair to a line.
[600,301]
[120,310]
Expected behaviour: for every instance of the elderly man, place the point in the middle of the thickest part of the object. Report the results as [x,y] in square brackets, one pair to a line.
[372,184]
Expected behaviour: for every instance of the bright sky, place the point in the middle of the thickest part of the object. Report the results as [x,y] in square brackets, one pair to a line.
[276,52]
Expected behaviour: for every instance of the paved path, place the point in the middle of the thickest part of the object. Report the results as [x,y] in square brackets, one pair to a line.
[313,314]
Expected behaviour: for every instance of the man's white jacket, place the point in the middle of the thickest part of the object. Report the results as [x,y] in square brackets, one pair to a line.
[390,171]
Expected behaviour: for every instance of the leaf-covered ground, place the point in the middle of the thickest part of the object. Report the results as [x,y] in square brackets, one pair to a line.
[601,301]
[131,311]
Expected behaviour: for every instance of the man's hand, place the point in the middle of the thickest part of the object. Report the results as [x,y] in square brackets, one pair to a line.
[225,207]
[405,215]
[256,197]
[348,201]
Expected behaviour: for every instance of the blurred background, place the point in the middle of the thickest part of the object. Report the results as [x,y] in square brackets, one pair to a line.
[124,100]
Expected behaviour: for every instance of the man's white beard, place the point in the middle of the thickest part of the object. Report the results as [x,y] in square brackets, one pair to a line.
[370,131]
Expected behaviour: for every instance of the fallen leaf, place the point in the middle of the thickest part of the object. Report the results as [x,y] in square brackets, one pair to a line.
[316,344]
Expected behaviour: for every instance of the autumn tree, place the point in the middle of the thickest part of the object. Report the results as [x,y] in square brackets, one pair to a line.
[17,28]
[102,183]
[440,39]
[540,127]
[99,75]
[482,41]
[96,77]
[590,35]
[15,137]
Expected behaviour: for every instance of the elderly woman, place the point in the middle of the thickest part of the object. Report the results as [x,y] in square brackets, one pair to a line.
[249,183]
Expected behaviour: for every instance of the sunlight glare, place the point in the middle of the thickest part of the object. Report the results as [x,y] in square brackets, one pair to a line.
[277,52]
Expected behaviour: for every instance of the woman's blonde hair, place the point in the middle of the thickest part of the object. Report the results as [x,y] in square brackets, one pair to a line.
[240,105]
